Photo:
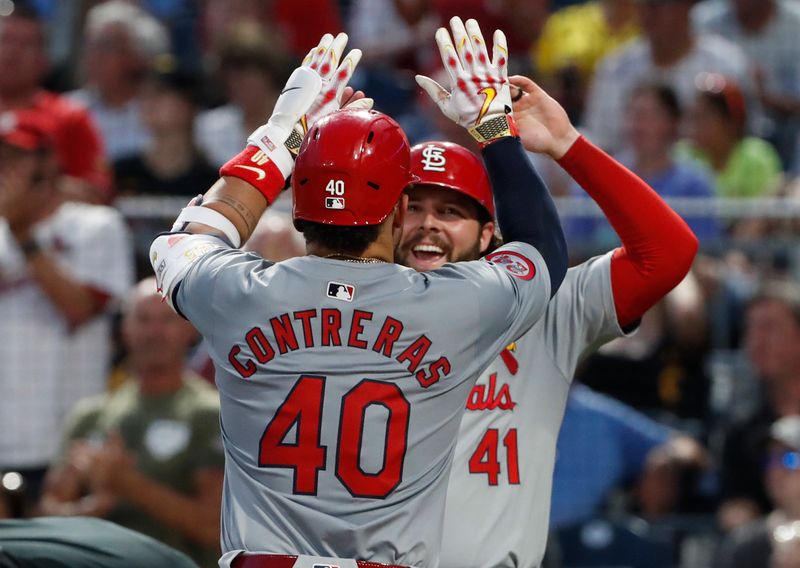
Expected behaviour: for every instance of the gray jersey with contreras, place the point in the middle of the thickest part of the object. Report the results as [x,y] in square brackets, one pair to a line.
[342,387]
[498,500]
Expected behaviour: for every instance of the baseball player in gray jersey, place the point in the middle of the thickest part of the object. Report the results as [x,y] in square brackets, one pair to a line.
[498,499]
[341,376]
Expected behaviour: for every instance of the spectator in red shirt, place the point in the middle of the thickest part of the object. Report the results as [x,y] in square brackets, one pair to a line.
[23,63]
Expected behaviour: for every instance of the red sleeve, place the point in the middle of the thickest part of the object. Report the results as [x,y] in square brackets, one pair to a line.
[657,246]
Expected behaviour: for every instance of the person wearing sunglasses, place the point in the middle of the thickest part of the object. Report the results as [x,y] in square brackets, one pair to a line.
[765,541]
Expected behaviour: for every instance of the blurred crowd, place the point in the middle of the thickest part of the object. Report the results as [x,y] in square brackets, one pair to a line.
[683,440]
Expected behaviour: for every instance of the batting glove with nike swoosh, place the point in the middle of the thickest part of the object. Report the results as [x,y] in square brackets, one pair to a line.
[313,90]
[479,98]
[335,72]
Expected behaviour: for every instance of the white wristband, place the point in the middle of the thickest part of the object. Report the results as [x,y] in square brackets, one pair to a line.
[214,219]
[270,140]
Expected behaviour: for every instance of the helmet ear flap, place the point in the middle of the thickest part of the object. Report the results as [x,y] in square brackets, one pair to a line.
[351,169]
[451,166]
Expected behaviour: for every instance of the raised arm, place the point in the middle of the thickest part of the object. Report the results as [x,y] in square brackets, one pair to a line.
[657,246]
[315,89]
[228,213]
[480,101]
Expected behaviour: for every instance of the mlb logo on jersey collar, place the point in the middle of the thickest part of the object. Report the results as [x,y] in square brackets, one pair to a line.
[341,291]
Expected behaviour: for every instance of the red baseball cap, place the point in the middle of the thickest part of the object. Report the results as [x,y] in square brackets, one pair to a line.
[27,130]
[448,165]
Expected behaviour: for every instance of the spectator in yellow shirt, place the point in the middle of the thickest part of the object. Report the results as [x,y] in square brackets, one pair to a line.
[575,38]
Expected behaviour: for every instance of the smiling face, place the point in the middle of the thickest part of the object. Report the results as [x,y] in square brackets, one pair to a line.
[441,225]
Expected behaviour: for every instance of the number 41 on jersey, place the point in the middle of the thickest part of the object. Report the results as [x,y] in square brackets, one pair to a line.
[485,457]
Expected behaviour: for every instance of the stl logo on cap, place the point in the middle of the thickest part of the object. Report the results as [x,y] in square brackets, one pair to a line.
[433,159]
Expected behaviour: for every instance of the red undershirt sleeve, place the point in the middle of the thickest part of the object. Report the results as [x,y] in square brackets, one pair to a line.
[657,246]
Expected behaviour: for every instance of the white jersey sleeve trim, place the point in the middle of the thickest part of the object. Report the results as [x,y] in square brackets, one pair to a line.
[172,255]
[210,218]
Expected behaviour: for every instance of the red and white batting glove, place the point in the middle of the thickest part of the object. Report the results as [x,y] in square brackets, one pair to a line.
[335,71]
[314,90]
[479,98]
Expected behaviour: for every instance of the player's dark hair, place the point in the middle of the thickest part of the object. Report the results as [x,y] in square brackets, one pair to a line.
[348,240]
[781,291]
[665,95]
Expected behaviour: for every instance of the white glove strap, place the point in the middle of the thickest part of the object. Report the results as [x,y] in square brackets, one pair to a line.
[270,140]
[213,219]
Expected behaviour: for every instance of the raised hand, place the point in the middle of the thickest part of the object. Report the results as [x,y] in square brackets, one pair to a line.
[314,89]
[326,59]
[479,97]
[542,123]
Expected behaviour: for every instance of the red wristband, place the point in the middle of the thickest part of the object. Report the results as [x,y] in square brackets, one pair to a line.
[255,167]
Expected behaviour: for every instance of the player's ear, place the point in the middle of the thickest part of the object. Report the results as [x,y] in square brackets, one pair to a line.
[486,233]
[400,211]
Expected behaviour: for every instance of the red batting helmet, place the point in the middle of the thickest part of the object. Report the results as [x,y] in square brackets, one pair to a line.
[449,165]
[351,170]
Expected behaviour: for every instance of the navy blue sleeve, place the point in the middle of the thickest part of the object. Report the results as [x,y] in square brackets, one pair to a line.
[525,209]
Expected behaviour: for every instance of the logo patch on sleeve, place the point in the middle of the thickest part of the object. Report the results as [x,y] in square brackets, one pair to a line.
[517,264]
[341,291]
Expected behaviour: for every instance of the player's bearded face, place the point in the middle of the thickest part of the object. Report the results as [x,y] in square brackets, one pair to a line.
[441,225]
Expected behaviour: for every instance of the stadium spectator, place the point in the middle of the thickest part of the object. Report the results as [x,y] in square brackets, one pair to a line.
[753,544]
[766,30]
[149,455]
[394,36]
[121,43]
[253,68]
[652,122]
[670,53]
[521,20]
[23,63]
[61,264]
[181,18]
[299,24]
[661,368]
[772,341]
[574,39]
[603,445]
[391,32]
[170,164]
[743,166]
